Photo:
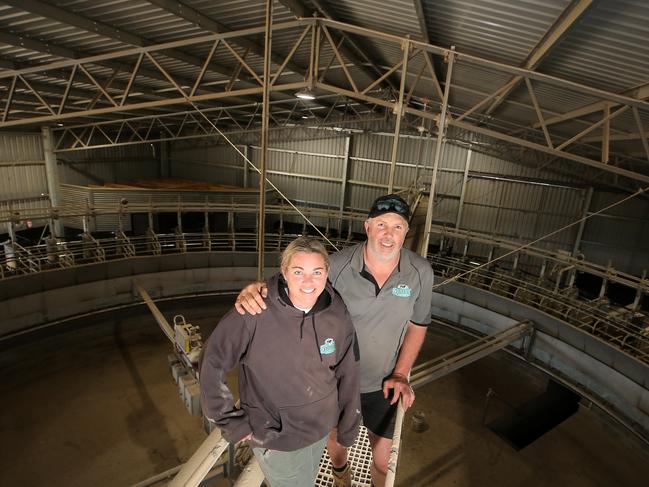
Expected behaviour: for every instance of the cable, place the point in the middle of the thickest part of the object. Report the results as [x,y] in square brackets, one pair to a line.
[529,244]
[259,172]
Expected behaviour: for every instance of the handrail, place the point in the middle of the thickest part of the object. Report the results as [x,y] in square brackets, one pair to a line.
[641,284]
[612,326]
[201,462]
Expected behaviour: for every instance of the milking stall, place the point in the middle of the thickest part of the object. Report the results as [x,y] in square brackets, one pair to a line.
[158,156]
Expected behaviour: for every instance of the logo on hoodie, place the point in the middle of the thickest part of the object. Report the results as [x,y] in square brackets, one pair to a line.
[328,347]
[402,291]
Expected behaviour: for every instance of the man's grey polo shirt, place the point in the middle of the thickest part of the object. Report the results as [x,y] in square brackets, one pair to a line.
[380,320]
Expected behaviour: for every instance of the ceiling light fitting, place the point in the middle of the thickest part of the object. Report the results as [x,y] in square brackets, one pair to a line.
[305,94]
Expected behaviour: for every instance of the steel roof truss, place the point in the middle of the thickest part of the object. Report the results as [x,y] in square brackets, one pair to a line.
[243,62]
[340,59]
[288,57]
[643,135]
[10,96]
[539,115]
[37,95]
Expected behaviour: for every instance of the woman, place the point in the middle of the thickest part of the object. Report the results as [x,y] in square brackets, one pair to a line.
[298,375]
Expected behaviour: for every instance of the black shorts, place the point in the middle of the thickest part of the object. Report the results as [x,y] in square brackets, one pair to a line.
[378,415]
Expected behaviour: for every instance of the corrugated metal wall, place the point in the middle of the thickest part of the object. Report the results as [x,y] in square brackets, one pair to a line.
[22,168]
[216,164]
[109,165]
[311,173]
[618,235]
[501,198]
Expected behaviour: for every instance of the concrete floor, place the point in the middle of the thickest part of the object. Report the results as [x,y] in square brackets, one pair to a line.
[96,406]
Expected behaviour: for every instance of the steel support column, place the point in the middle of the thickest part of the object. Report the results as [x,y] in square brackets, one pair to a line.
[441,130]
[465,178]
[399,115]
[588,197]
[343,187]
[52,175]
[264,142]
[165,168]
[246,170]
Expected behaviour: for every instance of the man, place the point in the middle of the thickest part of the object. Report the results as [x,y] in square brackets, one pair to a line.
[388,291]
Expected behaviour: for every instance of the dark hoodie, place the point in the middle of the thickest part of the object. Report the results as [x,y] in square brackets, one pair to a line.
[298,375]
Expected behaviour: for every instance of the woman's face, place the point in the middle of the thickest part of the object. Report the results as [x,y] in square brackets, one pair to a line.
[306,277]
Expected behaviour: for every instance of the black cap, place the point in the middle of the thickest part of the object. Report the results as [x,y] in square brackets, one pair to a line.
[390,203]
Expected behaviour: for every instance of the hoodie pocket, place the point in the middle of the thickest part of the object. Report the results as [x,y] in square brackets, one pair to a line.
[264,425]
[313,420]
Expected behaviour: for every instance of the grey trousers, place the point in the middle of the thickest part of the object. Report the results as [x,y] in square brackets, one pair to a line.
[291,468]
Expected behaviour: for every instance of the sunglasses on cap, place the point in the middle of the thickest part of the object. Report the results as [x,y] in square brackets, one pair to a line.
[390,204]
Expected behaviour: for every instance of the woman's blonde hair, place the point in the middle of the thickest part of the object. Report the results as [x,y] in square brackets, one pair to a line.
[303,244]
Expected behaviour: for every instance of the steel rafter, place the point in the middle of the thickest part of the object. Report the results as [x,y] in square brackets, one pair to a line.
[555,145]
[556,32]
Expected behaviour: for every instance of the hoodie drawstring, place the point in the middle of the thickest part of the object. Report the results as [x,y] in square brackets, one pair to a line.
[302,324]
[315,334]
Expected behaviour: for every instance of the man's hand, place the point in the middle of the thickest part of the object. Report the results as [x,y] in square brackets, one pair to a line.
[251,299]
[401,387]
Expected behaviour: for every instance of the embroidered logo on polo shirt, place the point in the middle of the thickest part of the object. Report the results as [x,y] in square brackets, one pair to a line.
[402,291]
[328,347]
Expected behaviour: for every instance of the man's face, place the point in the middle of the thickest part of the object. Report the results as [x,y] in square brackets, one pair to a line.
[385,235]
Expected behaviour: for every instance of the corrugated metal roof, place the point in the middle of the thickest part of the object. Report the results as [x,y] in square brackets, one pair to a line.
[502,31]
[607,48]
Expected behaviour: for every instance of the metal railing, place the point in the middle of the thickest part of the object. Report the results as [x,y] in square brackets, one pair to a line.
[554,293]
[616,326]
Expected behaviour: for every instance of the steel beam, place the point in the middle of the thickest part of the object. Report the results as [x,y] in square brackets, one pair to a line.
[261,239]
[345,180]
[588,197]
[441,132]
[101,28]
[443,365]
[558,29]
[639,92]
[465,179]
[398,113]
[52,174]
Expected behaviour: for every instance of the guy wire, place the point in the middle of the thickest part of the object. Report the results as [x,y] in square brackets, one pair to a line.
[259,172]
[450,279]
[529,244]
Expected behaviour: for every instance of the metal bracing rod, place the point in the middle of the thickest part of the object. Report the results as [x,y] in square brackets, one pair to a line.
[341,61]
[539,115]
[605,119]
[606,129]
[556,152]
[399,115]
[441,131]
[183,10]
[199,132]
[441,366]
[261,239]
[465,179]
[468,58]
[419,8]
[132,51]
[639,92]
[481,103]
[643,136]
[159,317]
